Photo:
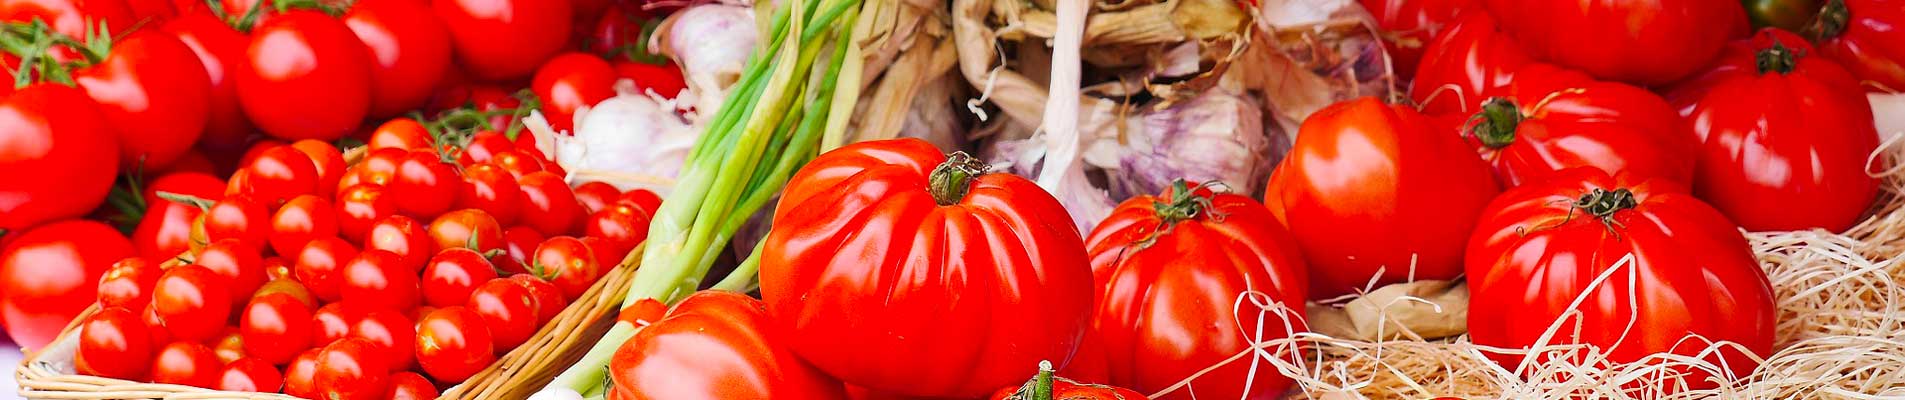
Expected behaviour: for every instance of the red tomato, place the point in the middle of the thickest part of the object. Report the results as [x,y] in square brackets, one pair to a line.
[644,312]
[250,375]
[391,334]
[128,283]
[186,363]
[221,51]
[519,248]
[1552,119]
[277,268]
[1377,190]
[643,199]
[238,218]
[276,328]
[569,264]
[328,160]
[377,280]
[196,184]
[621,227]
[491,189]
[569,82]
[113,344]
[153,91]
[49,274]
[827,213]
[300,378]
[360,207]
[664,80]
[1411,25]
[518,162]
[425,183]
[549,302]
[1465,65]
[614,33]
[301,220]
[1643,42]
[318,265]
[193,161]
[155,10]
[596,196]
[471,229]
[280,173]
[1179,262]
[403,237]
[484,145]
[508,309]
[240,264]
[70,17]
[505,40]
[547,204]
[1863,36]
[1541,248]
[738,354]
[453,344]
[333,322]
[307,77]
[193,302]
[229,347]
[452,275]
[410,386]
[154,326]
[352,368]
[61,136]
[1061,388]
[409,48]
[1786,136]
[289,287]
[402,134]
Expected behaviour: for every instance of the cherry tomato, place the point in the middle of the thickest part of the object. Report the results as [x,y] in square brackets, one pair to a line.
[519,249]
[484,145]
[319,264]
[642,199]
[238,262]
[276,328]
[453,344]
[49,274]
[328,160]
[193,161]
[391,333]
[508,309]
[472,229]
[196,184]
[128,283]
[410,386]
[276,268]
[664,80]
[250,375]
[621,227]
[238,218]
[360,207]
[426,184]
[186,363]
[378,280]
[603,256]
[403,237]
[280,173]
[193,301]
[300,378]
[300,221]
[352,368]
[221,50]
[505,40]
[113,344]
[154,326]
[153,91]
[69,137]
[288,287]
[569,82]
[452,274]
[491,189]
[409,50]
[165,231]
[612,33]
[229,346]
[307,77]
[548,204]
[517,162]
[333,322]
[569,264]
[596,196]
[549,302]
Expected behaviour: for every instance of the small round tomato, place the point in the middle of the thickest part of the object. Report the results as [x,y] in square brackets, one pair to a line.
[128,283]
[453,344]
[452,274]
[113,344]
[596,196]
[517,162]
[549,302]
[519,247]
[154,326]
[621,227]
[359,207]
[199,184]
[484,145]
[548,204]
[403,237]
[165,230]
[319,263]
[333,322]
[569,82]
[288,287]
[300,378]
[279,174]
[664,80]
[328,161]
[300,221]
[400,133]
[238,262]
[237,217]
[275,328]
[409,48]
[229,347]
[193,302]
[603,256]
[352,368]
[380,165]
[569,264]
[391,333]
[377,280]
[505,40]
[491,189]
[642,199]
[186,363]
[426,184]
[471,229]
[276,268]
[508,309]
[307,77]
[410,386]
[250,375]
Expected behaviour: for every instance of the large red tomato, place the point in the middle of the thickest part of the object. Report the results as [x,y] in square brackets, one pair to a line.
[1373,190]
[1465,65]
[1180,262]
[715,345]
[61,137]
[153,92]
[1551,119]
[410,50]
[505,39]
[1867,37]
[221,50]
[1411,24]
[1045,386]
[569,82]
[1542,249]
[1786,133]
[50,273]
[1643,42]
[882,246]
[307,77]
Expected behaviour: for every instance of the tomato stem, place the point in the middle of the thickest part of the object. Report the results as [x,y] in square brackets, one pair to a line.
[1832,20]
[1042,385]
[951,180]
[1777,59]
[1495,124]
[1603,203]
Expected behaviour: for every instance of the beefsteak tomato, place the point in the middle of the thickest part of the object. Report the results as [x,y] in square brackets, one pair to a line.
[1867,37]
[1411,24]
[715,345]
[1046,386]
[1552,119]
[1640,42]
[1465,65]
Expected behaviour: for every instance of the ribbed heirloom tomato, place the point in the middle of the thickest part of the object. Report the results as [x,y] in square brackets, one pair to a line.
[715,345]
[1672,265]
[1183,261]
[898,269]
[1551,119]
[1465,65]
[1867,37]
[1412,24]
[1641,42]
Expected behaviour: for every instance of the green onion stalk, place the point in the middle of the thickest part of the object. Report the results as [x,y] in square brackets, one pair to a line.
[771,124]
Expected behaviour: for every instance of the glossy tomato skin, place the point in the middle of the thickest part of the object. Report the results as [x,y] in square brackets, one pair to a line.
[333,321]
[279,173]
[300,378]
[128,283]
[409,48]
[59,134]
[50,273]
[491,189]
[508,309]
[1374,187]
[1535,252]
[568,263]
[1159,276]
[504,40]
[239,262]
[329,163]
[410,386]
[401,134]
[569,82]
[186,363]
[547,204]
[1641,42]
[453,344]
[239,218]
[466,229]
[549,302]
[596,196]
[620,227]
[276,328]
[405,238]
[822,289]
[153,92]
[250,375]
[113,344]
[360,207]
[452,274]
[301,220]
[1552,119]
[376,280]
[519,250]
[1869,42]
[1466,64]
[1781,150]
[391,333]
[1412,24]
[425,184]
[308,77]
[351,368]
[318,266]
[192,301]
[70,17]
[221,51]
[664,80]
[738,354]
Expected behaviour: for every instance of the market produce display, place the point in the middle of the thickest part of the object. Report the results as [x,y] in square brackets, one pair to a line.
[955,199]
